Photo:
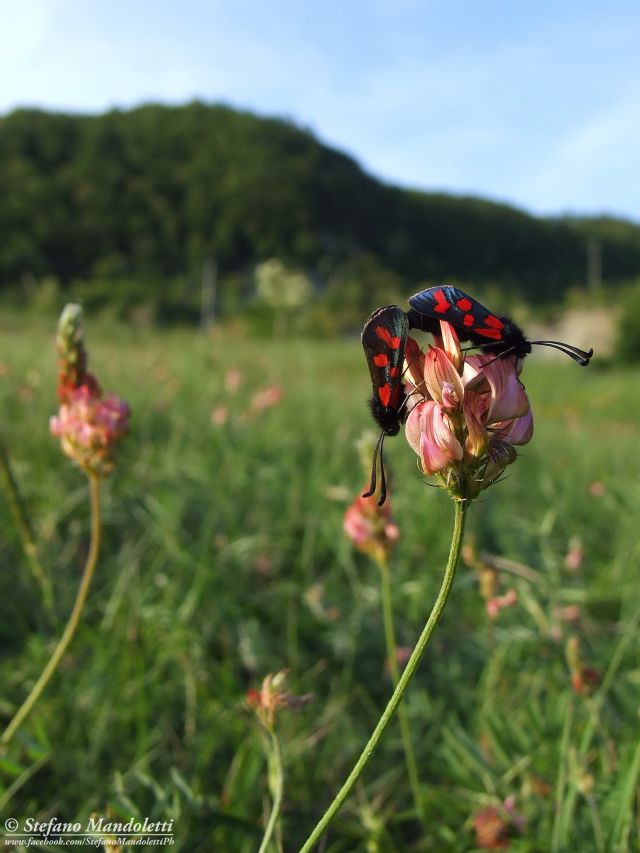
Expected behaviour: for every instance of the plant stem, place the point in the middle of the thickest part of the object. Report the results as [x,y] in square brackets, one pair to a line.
[403,683]
[403,718]
[74,618]
[23,526]
[276,777]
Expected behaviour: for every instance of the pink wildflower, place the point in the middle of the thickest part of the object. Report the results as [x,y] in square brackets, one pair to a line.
[232,380]
[90,428]
[219,416]
[498,602]
[574,556]
[570,613]
[370,527]
[597,489]
[266,397]
[88,424]
[469,414]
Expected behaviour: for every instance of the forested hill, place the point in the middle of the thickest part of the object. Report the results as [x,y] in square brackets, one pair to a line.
[154,190]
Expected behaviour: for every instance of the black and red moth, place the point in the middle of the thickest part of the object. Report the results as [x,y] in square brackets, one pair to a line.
[384,338]
[473,322]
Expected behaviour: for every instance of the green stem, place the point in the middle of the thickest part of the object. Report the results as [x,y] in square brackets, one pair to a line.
[403,683]
[403,718]
[23,526]
[276,774]
[74,618]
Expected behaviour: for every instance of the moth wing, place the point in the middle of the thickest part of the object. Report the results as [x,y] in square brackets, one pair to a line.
[469,317]
[384,338]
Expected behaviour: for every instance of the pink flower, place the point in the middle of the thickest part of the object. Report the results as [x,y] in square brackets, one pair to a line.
[89,425]
[370,527]
[574,556]
[219,416]
[266,397]
[431,434]
[232,380]
[90,428]
[597,489]
[570,613]
[498,602]
[468,413]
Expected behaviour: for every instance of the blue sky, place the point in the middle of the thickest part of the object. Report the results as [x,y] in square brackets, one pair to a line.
[534,103]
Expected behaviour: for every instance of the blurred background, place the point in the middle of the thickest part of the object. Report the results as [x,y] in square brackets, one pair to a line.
[229,190]
[153,158]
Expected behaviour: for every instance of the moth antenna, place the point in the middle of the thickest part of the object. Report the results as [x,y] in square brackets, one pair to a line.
[499,355]
[478,346]
[374,466]
[383,482]
[578,355]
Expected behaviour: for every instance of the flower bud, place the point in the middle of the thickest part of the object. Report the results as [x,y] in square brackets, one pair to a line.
[371,528]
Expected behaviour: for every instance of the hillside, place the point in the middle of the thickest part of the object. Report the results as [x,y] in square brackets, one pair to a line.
[152,191]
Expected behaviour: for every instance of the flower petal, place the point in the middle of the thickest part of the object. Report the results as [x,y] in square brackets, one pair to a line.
[477,436]
[414,360]
[412,426]
[451,345]
[519,430]
[438,370]
[508,397]
[439,446]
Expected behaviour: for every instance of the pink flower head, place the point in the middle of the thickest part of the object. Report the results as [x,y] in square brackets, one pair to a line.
[469,414]
[597,489]
[498,602]
[220,415]
[89,425]
[232,380]
[266,397]
[90,428]
[575,555]
[370,527]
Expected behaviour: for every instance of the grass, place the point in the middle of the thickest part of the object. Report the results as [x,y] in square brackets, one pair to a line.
[223,559]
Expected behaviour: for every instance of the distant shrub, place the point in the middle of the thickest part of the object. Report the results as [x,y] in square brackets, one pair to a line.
[628,338]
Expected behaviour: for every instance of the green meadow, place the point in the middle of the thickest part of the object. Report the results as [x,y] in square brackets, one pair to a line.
[223,559]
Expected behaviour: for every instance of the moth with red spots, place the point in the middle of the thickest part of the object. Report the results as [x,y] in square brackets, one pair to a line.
[384,338]
[473,322]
